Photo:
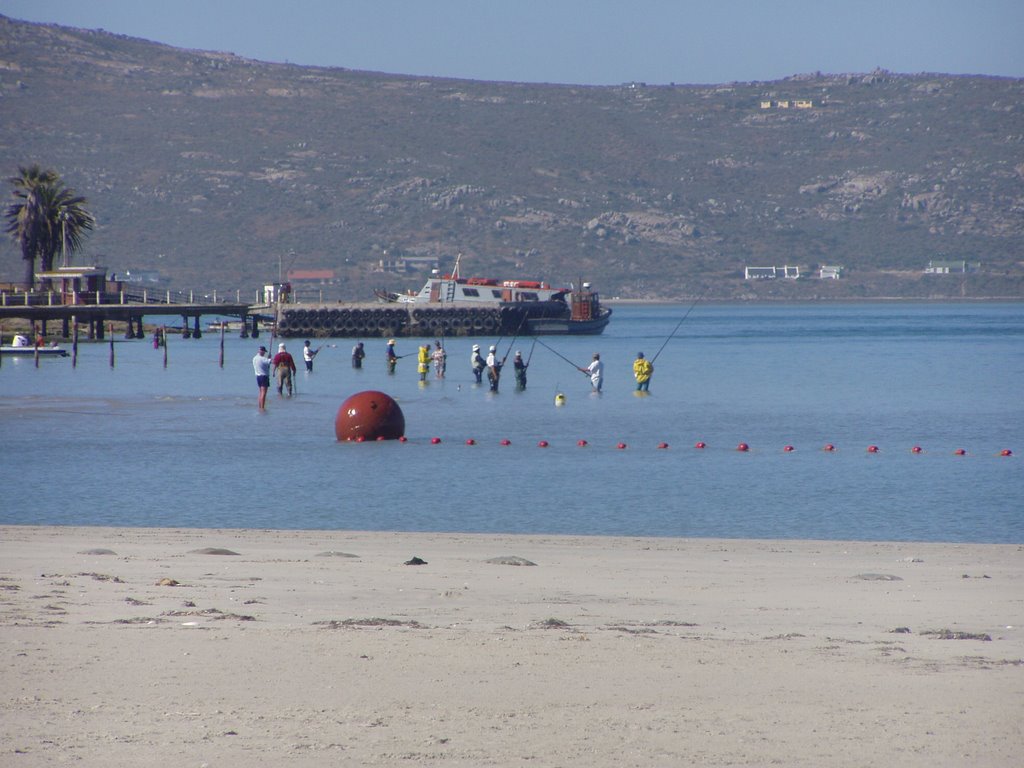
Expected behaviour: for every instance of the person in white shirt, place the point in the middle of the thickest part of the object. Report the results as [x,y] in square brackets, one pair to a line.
[596,372]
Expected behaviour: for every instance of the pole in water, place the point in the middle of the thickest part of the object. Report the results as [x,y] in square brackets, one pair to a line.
[222,344]
[163,335]
[74,341]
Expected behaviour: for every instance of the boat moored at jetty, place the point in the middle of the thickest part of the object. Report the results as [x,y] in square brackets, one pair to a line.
[451,305]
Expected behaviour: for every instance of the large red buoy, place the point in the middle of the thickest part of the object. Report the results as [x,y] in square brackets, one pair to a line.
[368,416]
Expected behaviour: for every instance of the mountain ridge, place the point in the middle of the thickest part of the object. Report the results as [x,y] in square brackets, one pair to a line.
[222,172]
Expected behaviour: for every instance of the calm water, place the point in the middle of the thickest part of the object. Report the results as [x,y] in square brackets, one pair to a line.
[141,445]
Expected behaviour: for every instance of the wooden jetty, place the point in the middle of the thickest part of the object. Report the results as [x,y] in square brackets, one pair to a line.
[83,296]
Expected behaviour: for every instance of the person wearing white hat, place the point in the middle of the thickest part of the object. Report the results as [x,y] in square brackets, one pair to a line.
[478,363]
[284,367]
[392,356]
[493,368]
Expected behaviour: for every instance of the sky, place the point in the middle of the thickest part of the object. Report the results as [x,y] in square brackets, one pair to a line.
[587,42]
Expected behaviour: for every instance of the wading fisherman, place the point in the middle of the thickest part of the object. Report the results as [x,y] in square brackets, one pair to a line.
[308,353]
[477,362]
[392,356]
[596,372]
[493,368]
[358,353]
[440,358]
[642,371]
[423,361]
[519,368]
[284,367]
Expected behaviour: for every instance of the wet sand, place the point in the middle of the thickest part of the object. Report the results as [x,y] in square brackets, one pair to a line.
[129,647]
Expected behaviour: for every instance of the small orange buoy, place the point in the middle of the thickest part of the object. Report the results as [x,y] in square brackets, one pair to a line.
[403,439]
[829,448]
[873,449]
[917,449]
[959,452]
[662,445]
[506,441]
[381,437]
[581,443]
[621,446]
[701,444]
[1006,452]
[435,440]
[743,447]
[361,438]
[471,441]
[542,444]
[789,449]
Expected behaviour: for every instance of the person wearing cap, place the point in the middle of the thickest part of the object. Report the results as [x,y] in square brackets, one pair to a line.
[358,353]
[284,367]
[493,367]
[642,371]
[440,358]
[596,372]
[308,353]
[261,365]
[519,367]
[478,363]
[392,356]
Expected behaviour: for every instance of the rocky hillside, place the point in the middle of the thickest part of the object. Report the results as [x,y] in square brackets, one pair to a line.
[220,171]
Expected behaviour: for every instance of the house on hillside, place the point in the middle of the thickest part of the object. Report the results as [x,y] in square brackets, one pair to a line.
[771,273]
[830,272]
[951,267]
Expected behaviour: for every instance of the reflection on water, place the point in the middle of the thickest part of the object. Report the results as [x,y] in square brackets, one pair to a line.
[142,445]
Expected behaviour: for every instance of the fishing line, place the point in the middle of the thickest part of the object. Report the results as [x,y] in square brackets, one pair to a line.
[559,354]
[695,302]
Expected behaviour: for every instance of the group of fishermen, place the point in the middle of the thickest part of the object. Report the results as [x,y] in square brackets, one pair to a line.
[282,366]
[643,368]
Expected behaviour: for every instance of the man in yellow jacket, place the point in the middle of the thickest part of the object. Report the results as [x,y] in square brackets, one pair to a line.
[642,371]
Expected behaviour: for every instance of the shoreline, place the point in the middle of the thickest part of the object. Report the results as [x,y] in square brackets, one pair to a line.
[314,646]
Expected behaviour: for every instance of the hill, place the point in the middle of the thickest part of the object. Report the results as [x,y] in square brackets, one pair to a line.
[220,171]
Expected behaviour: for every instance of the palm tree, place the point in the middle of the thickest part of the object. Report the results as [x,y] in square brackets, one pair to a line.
[45,218]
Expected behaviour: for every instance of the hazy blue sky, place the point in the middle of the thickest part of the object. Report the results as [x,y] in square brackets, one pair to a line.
[597,42]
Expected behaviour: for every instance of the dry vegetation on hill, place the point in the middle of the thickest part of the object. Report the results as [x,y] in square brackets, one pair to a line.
[216,170]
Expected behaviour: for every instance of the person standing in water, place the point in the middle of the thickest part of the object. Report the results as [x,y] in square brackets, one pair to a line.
[440,358]
[358,353]
[423,361]
[519,367]
[392,356]
[261,365]
[643,369]
[596,372]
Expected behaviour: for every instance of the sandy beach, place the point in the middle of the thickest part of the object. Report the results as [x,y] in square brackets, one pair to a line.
[137,647]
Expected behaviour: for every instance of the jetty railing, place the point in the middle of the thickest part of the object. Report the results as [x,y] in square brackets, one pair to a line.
[133,296]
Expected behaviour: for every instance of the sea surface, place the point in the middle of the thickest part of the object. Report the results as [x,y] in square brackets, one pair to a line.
[183,445]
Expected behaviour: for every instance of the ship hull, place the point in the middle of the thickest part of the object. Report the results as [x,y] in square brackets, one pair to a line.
[411,320]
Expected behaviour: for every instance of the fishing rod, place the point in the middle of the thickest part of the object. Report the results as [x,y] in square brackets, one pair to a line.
[559,354]
[694,304]
[513,342]
[532,346]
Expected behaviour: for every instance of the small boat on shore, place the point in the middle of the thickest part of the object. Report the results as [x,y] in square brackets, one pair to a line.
[31,351]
